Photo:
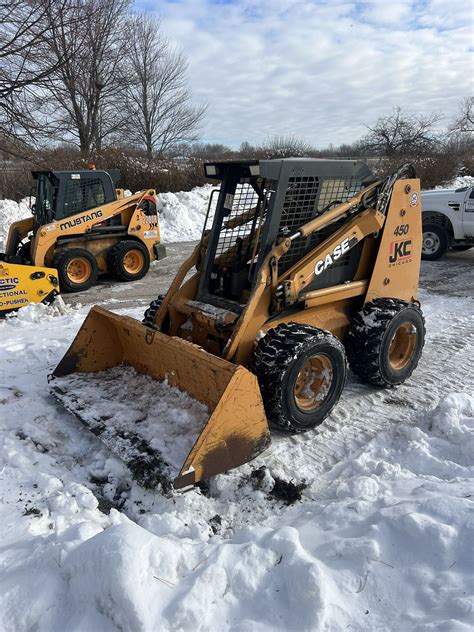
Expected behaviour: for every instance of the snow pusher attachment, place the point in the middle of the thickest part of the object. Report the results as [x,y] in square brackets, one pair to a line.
[300,262]
[236,430]
[21,285]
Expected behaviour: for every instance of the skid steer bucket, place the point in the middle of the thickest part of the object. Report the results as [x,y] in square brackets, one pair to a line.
[111,358]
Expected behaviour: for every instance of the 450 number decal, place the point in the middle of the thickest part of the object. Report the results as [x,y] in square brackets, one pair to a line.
[402,229]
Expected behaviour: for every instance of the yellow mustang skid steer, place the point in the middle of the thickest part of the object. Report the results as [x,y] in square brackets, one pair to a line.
[307,266]
[83,227]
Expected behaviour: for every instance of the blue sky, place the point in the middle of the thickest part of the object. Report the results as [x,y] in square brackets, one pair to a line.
[319,70]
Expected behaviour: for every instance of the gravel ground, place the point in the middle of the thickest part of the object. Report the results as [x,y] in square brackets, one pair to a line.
[115,295]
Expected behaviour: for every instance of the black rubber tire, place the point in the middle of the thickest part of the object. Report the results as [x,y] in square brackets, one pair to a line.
[440,248]
[461,248]
[151,311]
[371,334]
[61,261]
[277,361]
[24,252]
[115,260]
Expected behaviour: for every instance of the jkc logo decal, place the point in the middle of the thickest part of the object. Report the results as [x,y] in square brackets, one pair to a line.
[400,252]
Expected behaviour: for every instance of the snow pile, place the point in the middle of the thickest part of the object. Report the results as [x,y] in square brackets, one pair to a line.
[38,312]
[462,181]
[10,212]
[182,214]
[458,183]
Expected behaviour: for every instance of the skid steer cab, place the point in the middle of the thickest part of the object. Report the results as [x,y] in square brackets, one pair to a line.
[83,227]
[304,267]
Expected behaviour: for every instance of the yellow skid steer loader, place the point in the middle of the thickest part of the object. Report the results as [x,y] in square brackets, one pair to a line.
[304,263]
[81,227]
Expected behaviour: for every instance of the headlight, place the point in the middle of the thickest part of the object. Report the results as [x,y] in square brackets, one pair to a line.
[211,170]
[254,170]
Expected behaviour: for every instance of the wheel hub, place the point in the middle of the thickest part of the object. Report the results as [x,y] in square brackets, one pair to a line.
[431,243]
[402,346]
[78,270]
[313,382]
[133,261]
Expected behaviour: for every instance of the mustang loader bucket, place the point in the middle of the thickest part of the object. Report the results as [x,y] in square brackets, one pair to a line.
[106,346]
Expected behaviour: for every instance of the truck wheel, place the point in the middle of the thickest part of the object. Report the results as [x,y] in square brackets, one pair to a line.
[128,260]
[435,242]
[385,341]
[151,311]
[77,269]
[301,371]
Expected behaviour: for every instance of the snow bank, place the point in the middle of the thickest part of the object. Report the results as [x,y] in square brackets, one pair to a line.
[462,181]
[38,312]
[387,547]
[10,212]
[182,214]
[458,183]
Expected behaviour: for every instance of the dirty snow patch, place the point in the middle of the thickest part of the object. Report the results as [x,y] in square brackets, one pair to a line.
[125,409]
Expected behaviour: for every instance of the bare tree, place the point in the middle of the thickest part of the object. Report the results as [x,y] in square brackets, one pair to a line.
[81,95]
[402,133]
[158,101]
[277,147]
[464,122]
[23,69]
[286,147]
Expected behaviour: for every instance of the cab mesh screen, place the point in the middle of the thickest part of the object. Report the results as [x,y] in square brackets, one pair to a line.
[82,195]
[306,198]
[240,227]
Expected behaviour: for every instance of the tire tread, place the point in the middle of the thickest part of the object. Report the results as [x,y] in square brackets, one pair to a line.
[365,337]
[272,357]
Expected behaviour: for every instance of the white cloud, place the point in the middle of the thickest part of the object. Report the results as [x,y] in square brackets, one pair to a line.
[316,69]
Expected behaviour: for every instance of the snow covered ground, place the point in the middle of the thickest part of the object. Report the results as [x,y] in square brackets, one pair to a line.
[380,539]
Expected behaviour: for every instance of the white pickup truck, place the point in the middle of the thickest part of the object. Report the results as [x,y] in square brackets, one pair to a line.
[448,221]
